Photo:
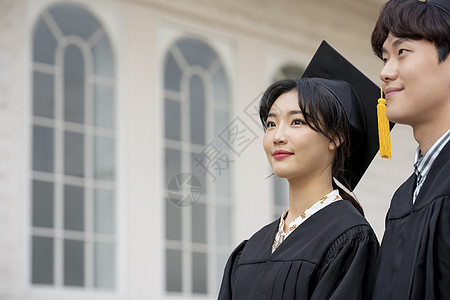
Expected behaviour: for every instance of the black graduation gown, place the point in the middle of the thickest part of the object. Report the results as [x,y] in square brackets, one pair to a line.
[415,251]
[331,255]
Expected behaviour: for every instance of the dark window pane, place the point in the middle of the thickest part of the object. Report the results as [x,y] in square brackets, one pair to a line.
[223,226]
[289,72]
[197,110]
[104,270]
[104,106]
[197,53]
[173,221]
[173,164]
[173,270]
[221,122]
[173,119]
[43,148]
[103,58]
[104,212]
[42,268]
[221,261]
[104,158]
[280,191]
[73,263]
[223,185]
[44,44]
[73,207]
[43,104]
[43,204]
[202,167]
[172,74]
[199,226]
[199,273]
[220,86]
[74,85]
[73,153]
[74,20]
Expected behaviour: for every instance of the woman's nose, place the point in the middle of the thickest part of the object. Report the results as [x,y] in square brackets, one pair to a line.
[279,137]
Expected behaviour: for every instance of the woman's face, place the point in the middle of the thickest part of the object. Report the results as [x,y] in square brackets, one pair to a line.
[295,150]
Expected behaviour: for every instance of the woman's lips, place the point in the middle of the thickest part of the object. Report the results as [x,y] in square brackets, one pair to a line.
[280,154]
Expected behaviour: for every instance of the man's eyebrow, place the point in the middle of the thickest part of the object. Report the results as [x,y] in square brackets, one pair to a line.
[399,41]
[395,44]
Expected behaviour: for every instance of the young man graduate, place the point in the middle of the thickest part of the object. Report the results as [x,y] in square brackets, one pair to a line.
[412,38]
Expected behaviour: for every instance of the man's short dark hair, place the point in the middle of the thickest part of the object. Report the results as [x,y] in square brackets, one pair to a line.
[416,20]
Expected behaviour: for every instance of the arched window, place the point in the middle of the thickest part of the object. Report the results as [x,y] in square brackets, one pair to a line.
[197,174]
[73,242]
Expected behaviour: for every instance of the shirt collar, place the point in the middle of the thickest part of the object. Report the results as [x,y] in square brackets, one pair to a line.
[330,197]
[423,163]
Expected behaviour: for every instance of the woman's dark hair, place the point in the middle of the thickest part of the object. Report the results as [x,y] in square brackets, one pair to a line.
[414,20]
[323,113]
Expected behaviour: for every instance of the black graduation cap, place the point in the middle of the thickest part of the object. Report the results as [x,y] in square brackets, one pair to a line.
[358,96]
[442,4]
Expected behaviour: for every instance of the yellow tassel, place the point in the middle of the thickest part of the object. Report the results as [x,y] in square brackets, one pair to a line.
[383,128]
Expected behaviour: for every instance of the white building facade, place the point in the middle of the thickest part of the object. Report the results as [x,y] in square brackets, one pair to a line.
[131,160]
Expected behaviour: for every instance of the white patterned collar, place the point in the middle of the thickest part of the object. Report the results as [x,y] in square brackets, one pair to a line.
[282,235]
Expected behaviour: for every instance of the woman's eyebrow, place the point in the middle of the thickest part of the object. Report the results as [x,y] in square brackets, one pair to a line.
[295,112]
[290,113]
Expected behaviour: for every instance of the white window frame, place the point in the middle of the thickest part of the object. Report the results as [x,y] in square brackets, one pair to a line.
[169,34]
[111,21]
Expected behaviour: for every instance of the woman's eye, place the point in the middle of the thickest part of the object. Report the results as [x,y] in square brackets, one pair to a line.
[270,124]
[401,51]
[385,60]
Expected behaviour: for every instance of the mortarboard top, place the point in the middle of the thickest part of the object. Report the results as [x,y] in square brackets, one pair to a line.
[442,4]
[358,95]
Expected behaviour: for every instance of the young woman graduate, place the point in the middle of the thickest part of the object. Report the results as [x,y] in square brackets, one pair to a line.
[316,128]
[413,39]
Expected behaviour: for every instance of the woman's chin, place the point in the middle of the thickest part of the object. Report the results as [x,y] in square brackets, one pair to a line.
[281,174]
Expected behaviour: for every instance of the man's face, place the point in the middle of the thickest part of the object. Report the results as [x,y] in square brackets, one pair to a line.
[416,85]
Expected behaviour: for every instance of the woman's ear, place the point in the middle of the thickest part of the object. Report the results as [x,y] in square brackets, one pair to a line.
[334,144]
